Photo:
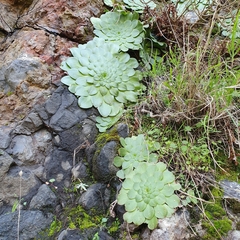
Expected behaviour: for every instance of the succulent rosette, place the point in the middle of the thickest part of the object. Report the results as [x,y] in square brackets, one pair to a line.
[102,77]
[139,5]
[148,194]
[124,29]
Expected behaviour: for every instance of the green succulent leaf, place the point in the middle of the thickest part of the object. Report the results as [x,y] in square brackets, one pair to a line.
[230,26]
[173,201]
[122,151]
[85,102]
[191,196]
[169,210]
[160,211]
[148,213]
[128,184]
[168,177]
[109,3]
[152,223]
[105,109]
[167,191]
[67,80]
[138,218]
[117,161]
[122,198]
[191,5]
[133,217]
[153,158]
[132,194]
[97,99]
[142,206]
[130,205]
[120,174]
[160,198]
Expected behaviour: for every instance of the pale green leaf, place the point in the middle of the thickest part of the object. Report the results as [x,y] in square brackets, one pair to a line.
[68,80]
[127,184]
[76,52]
[148,213]
[168,177]
[138,218]
[74,73]
[122,197]
[73,62]
[130,205]
[85,102]
[120,174]
[160,211]
[104,109]
[167,190]
[132,194]
[152,223]
[117,161]
[97,100]
[173,201]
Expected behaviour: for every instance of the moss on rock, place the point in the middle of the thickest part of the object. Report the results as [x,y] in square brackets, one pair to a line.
[218,224]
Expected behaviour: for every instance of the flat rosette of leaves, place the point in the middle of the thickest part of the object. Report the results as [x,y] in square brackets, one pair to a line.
[139,5]
[148,194]
[135,150]
[102,77]
[122,28]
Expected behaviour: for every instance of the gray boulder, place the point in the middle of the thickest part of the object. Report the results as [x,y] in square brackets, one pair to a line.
[173,228]
[96,197]
[5,163]
[30,224]
[31,150]
[45,198]
[5,136]
[102,167]
[61,111]
[12,184]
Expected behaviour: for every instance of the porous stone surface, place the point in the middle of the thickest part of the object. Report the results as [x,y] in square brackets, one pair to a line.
[230,189]
[103,168]
[77,235]
[45,198]
[233,235]
[12,182]
[173,228]
[96,197]
[70,19]
[31,150]
[31,223]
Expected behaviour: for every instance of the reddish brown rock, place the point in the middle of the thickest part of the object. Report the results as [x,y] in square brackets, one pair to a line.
[10,11]
[70,19]
[31,56]
[29,66]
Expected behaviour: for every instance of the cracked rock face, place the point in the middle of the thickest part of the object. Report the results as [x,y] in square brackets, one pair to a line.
[42,32]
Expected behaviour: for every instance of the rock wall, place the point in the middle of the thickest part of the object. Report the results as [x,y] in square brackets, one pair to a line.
[40,121]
